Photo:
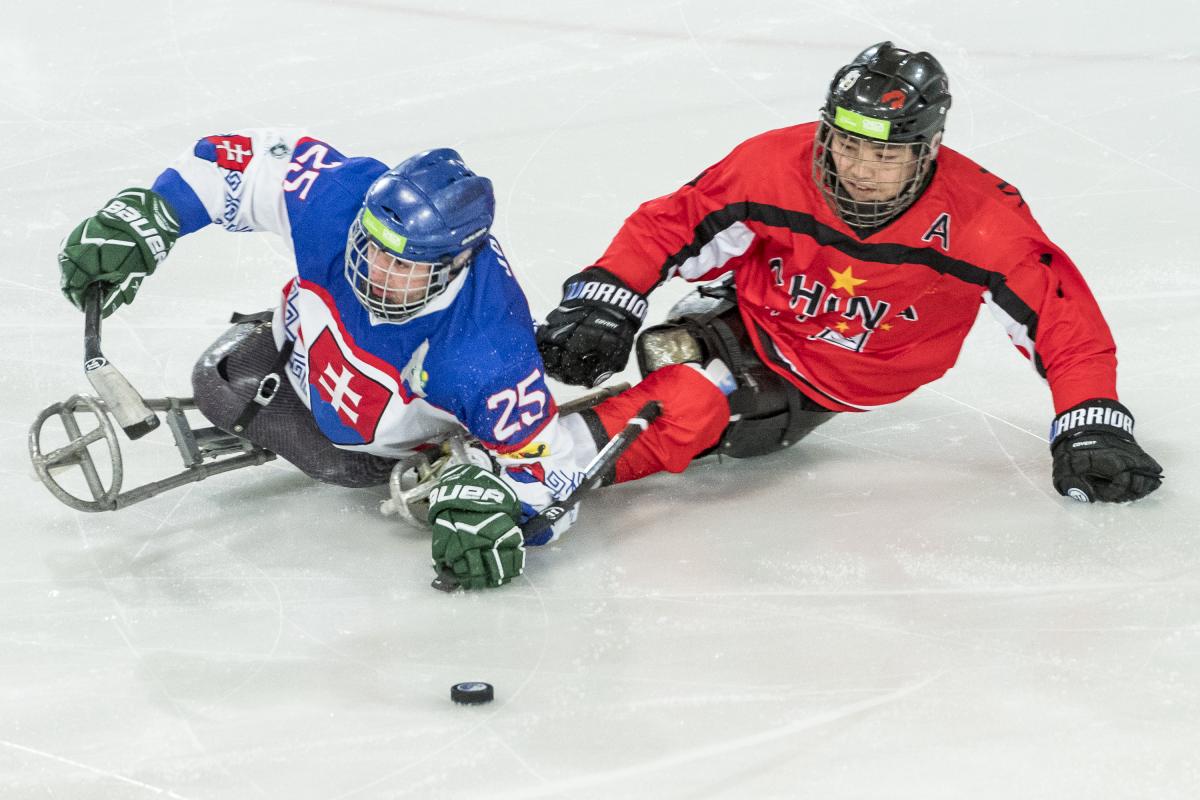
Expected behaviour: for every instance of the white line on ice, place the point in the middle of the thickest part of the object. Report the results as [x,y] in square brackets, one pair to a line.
[985,413]
[720,749]
[106,773]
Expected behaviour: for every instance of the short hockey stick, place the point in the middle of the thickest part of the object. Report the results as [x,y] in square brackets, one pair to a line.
[119,396]
[593,474]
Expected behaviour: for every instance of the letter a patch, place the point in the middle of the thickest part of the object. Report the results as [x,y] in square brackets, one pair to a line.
[941,229]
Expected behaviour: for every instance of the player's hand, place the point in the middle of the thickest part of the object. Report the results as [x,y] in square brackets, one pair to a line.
[589,336]
[1096,457]
[117,248]
[474,516]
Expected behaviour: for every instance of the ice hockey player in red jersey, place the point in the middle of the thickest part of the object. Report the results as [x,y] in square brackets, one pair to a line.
[845,261]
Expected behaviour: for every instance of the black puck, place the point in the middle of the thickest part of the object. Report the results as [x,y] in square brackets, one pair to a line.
[472,692]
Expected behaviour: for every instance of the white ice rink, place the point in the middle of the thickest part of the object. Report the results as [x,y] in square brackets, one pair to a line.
[900,608]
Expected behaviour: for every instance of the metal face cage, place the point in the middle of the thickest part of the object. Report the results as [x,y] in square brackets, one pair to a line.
[390,287]
[865,181]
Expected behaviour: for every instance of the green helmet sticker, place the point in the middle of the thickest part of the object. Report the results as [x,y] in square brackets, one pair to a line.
[385,235]
[848,120]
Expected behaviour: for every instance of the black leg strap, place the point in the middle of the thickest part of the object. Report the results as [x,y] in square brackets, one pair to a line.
[730,349]
[258,316]
[267,388]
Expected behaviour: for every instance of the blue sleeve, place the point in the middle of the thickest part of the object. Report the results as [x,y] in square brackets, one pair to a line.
[183,200]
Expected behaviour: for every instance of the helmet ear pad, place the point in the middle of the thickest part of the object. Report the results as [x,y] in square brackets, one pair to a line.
[460,260]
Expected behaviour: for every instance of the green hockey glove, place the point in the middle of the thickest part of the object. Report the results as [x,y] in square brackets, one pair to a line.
[474,516]
[117,248]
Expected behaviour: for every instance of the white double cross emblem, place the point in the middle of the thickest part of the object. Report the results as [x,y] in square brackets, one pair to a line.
[234,152]
[343,400]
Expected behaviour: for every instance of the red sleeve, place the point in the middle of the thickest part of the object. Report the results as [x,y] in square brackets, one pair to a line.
[1073,347]
[662,234]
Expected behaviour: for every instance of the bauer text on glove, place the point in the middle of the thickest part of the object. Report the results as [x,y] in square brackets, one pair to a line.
[474,516]
[117,248]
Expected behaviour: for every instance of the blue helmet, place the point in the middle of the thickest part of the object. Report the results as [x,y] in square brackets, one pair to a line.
[415,231]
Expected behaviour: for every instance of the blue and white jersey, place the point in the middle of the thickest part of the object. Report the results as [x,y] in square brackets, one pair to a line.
[467,360]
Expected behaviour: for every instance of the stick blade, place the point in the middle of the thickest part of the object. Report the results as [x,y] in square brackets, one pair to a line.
[446,581]
[121,398]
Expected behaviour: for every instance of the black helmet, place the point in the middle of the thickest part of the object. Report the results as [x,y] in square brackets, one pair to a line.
[908,93]
[891,99]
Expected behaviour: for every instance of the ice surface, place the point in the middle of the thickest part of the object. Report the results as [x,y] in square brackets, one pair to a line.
[901,608]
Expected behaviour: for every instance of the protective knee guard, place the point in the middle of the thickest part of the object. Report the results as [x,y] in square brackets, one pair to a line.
[694,414]
[767,413]
[225,381]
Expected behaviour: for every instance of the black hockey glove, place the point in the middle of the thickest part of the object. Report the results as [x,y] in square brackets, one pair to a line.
[1096,457]
[589,336]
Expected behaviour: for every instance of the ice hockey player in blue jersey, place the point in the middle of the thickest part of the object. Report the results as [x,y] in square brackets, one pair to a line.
[403,322]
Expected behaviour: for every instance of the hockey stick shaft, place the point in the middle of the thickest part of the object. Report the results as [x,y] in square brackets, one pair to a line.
[593,474]
[118,394]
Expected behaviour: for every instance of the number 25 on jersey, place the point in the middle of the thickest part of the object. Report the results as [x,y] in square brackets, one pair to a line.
[309,164]
[519,407]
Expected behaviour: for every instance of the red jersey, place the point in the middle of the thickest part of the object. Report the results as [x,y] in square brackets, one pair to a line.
[857,321]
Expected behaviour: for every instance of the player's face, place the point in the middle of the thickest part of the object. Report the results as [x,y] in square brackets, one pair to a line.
[396,280]
[872,172]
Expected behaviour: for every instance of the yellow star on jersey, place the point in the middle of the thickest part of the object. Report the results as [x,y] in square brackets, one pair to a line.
[845,280]
[843,327]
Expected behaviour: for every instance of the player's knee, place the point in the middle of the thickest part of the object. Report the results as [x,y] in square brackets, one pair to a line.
[694,413]
[768,413]
[695,408]
[226,375]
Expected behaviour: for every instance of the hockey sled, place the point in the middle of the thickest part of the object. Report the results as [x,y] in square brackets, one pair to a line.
[205,451]
[209,451]
[413,477]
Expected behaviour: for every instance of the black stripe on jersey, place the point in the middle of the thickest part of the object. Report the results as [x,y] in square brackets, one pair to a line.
[777,358]
[807,225]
